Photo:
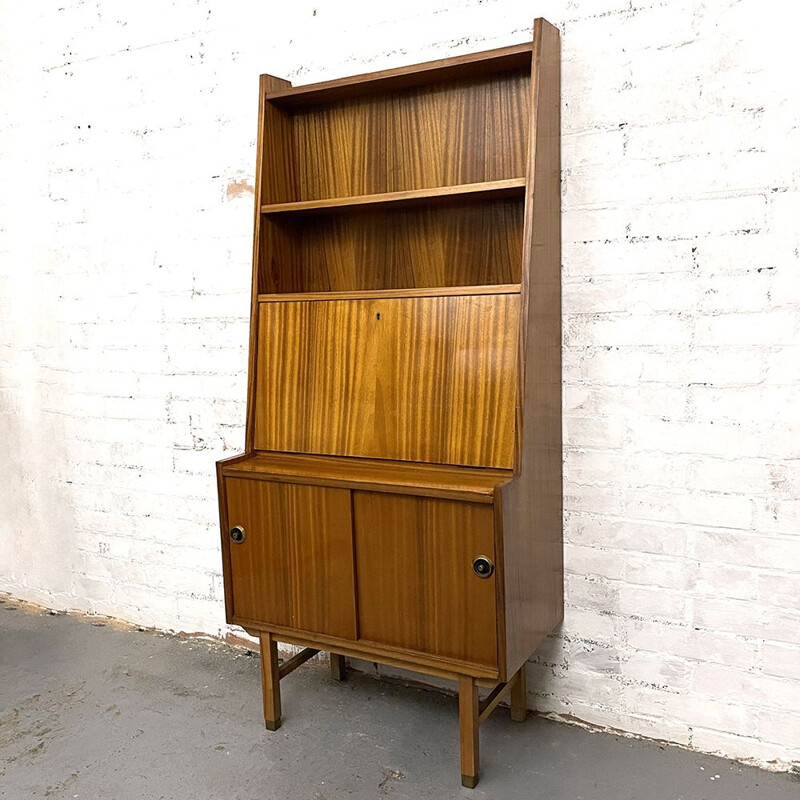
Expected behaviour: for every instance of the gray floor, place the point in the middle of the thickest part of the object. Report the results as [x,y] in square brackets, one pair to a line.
[90,711]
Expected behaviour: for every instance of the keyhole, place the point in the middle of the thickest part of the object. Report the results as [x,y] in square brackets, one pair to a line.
[378,315]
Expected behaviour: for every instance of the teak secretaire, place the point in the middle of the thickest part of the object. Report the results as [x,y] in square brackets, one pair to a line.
[399,498]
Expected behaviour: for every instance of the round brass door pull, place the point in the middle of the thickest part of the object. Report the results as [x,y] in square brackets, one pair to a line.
[483,566]
[238,534]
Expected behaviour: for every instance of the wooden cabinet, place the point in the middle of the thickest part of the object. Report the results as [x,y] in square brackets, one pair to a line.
[399,497]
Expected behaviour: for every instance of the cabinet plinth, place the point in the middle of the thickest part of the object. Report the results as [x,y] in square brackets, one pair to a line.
[399,497]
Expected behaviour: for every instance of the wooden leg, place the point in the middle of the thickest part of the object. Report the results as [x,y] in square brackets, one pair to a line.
[468,730]
[338,667]
[270,681]
[519,696]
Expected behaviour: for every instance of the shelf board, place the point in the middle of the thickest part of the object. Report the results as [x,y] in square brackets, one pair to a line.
[378,294]
[510,187]
[468,66]
[476,484]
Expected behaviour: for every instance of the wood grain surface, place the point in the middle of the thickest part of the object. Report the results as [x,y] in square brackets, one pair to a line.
[532,504]
[274,181]
[383,294]
[444,134]
[492,190]
[435,480]
[416,587]
[421,379]
[454,68]
[425,663]
[295,567]
[458,244]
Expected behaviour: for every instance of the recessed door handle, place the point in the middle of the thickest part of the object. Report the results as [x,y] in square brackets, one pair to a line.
[483,566]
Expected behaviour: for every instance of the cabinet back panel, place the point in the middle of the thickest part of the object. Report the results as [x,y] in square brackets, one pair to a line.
[429,379]
[463,244]
[438,135]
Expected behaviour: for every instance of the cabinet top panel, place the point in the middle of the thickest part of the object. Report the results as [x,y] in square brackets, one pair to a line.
[462,483]
[467,66]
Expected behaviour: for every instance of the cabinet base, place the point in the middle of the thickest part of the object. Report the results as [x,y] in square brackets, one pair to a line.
[338,667]
[471,711]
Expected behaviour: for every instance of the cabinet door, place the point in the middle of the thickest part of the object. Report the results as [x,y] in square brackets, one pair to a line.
[294,567]
[416,585]
[416,379]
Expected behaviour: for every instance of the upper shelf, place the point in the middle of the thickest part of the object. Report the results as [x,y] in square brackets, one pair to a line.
[468,66]
[511,187]
[385,294]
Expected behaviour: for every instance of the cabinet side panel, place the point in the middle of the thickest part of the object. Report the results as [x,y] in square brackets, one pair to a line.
[532,504]
[274,178]
[277,151]
[429,379]
[278,252]
[224,530]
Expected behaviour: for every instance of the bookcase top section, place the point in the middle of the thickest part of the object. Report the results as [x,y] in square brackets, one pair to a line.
[460,67]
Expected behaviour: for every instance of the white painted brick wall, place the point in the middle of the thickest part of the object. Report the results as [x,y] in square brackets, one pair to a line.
[127,138]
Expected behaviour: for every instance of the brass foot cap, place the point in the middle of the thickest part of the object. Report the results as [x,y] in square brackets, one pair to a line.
[272,724]
[470,781]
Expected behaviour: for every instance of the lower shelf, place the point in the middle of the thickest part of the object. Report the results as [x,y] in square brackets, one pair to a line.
[473,484]
[423,663]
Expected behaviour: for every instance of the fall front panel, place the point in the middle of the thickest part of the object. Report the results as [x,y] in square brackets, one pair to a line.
[428,379]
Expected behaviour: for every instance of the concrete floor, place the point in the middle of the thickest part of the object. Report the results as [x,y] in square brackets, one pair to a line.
[90,711]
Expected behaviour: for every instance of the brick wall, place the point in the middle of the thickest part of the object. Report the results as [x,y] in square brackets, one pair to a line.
[127,137]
